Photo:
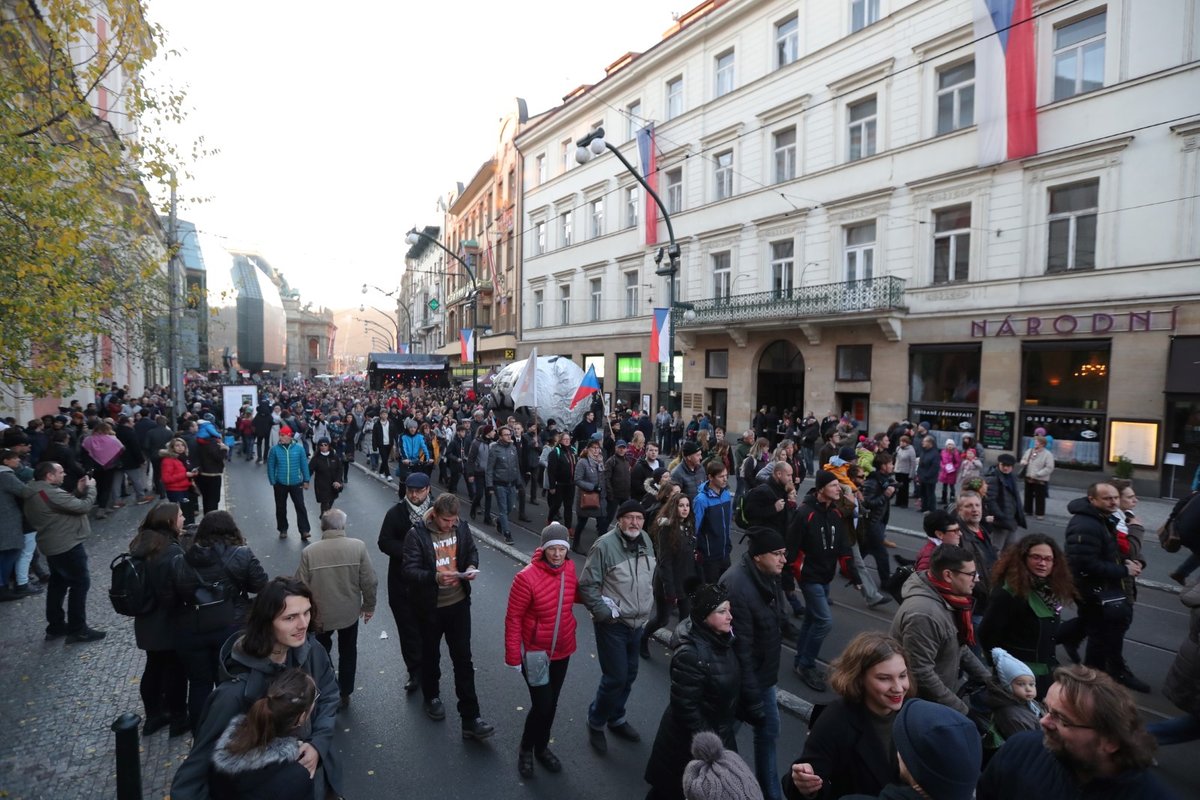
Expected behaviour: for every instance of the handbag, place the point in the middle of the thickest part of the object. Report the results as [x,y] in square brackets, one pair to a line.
[1168,532]
[589,500]
[536,663]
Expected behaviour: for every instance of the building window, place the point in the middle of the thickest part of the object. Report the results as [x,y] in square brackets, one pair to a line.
[632,281]
[1079,56]
[629,379]
[314,349]
[716,363]
[863,13]
[595,363]
[1064,389]
[633,119]
[722,276]
[787,41]
[597,298]
[862,128]
[951,244]
[724,73]
[596,209]
[785,154]
[723,174]
[782,267]
[943,388]
[564,304]
[539,308]
[956,97]
[565,154]
[564,224]
[854,362]
[860,252]
[674,97]
[539,168]
[632,201]
[539,246]
[675,190]
[1073,212]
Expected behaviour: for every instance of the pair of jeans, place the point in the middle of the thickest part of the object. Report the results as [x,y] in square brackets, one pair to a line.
[70,579]
[26,558]
[200,654]
[870,591]
[210,491]
[8,565]
[1188,566]
[454,623]
[927,495]
[164,684]
[543,703]
[248,446]
[262,445]
[186,504]
[407,630]
[560,499]
[766,735]
[1105,634]
[296,493]
[385,456]
[874,547]
[506,498]
[1176,730]
[137,476]
[662,608]
[818,622]
[617,646]
[347,644]
[580,527]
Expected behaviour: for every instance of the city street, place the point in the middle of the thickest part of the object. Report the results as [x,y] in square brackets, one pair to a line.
[55,717]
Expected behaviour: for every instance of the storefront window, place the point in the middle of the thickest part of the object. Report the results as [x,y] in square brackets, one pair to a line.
[1064,390]
[662,384]
[629,380]
[944,390]
[598,363]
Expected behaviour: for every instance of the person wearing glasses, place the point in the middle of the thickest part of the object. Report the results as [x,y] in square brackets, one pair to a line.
[1032,583]
[1091,744]
[934,626]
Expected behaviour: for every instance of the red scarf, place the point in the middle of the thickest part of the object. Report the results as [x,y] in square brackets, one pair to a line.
[959,604]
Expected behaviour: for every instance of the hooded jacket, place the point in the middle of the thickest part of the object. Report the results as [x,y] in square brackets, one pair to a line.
[621,569]
[532,602]
[817,539]
[244,679]
[714,517]
[270,772]
[924,624]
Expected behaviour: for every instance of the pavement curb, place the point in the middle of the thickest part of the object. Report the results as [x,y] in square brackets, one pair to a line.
[797,706]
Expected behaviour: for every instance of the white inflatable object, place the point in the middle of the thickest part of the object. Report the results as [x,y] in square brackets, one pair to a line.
[557,379]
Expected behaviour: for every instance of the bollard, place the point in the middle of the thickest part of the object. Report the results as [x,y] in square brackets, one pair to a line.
[129,761]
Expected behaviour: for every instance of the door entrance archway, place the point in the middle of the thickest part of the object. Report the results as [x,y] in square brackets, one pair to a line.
[781,377]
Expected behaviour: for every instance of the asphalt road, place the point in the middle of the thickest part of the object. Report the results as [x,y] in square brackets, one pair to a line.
[388,738]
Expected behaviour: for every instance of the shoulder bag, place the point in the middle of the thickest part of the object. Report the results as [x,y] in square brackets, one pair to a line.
[1168,533]
[536,663]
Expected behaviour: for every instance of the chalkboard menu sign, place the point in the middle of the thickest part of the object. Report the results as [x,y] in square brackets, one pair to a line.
[996,430]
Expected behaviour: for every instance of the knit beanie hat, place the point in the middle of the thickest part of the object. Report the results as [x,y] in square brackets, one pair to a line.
[847,454]
[940,747]
[705,597]
[823,478]
[1008,667]
[764,540]
[717,773]
[555,533]
[690,447]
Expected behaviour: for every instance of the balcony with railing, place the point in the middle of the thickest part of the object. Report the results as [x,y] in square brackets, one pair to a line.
[463,292]
[807,306]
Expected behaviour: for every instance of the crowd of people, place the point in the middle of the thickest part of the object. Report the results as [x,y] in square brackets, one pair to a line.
[964,695]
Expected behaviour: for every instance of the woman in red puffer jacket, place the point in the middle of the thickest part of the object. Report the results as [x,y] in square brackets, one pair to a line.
[544,588]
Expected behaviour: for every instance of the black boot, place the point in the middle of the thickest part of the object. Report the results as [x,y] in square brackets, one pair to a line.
[644,646]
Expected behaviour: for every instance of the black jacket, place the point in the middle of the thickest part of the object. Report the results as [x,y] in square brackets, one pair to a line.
[759,506]
[638,475]
[1012,623]
[270,772]
[844,750]
[1091,545]
[985,558]
[1004,502]
[929,463]
[397,522]
[819,532]
[759,617]
[220,561]
[153,631]
[875,498]
[560,470]
[62,455]
[706,688]
[420,574]
[132,457]
[326,470]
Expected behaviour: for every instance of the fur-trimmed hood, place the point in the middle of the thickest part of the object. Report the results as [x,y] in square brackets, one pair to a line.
[282,750]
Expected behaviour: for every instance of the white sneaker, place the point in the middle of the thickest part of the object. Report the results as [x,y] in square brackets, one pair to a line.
[389,478]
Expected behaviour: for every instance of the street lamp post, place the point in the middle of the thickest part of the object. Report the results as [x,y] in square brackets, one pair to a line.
[593,145]
[372,327]
[363,307]
[414,237]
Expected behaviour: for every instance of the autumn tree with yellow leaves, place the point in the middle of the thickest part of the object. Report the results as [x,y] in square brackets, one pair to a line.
[82,249]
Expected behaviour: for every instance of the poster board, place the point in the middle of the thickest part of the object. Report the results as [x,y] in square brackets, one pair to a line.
[232,400]
[1136,439]
[996,430]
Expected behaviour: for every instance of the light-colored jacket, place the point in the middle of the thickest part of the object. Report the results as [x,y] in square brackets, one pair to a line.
[59,517]
[622,570]
[924,624]
[343,582]
[1039,464]
[906,461]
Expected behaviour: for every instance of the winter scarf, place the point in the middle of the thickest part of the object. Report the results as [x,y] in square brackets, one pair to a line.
[961,606]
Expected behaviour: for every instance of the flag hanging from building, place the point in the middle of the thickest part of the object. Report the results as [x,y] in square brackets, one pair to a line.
[1005,80]
[402,348]
[587,387]
[660,337]
[466,338]
[524,392]
[646,149]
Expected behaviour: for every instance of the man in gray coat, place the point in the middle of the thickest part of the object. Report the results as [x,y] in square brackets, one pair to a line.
[61,521]
[343,582]
[503,478]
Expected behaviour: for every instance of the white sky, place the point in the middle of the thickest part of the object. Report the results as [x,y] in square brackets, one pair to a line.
[339,125]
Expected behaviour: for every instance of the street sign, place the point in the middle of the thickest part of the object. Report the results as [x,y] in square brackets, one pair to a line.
[434,305]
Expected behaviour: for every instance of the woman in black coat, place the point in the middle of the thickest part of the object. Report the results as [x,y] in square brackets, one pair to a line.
[673,531]
[849,749]
[706,691]
[164,680]
[326,469]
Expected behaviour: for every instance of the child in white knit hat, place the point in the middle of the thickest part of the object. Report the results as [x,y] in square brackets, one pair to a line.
[1018,709]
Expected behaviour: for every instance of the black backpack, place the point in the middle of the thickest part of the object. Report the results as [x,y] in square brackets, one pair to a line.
[213,600]
[130,594]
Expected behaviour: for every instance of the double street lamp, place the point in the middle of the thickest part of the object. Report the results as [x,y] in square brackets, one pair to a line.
[594,145]
[415,237]
[399,339]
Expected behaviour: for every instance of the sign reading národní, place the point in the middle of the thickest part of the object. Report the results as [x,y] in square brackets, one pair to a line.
[1096,323]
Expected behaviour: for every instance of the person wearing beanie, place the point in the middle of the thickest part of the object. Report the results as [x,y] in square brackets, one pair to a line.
[758,604]
[540,619]
[617,589]
[717,773]
[326,470]
[706,689]
[1004,502]
[288,474]
[688,475]
[1014,702]
[397,522]
[818,531]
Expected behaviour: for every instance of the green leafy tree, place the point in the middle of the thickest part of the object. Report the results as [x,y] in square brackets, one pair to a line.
[82,249]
